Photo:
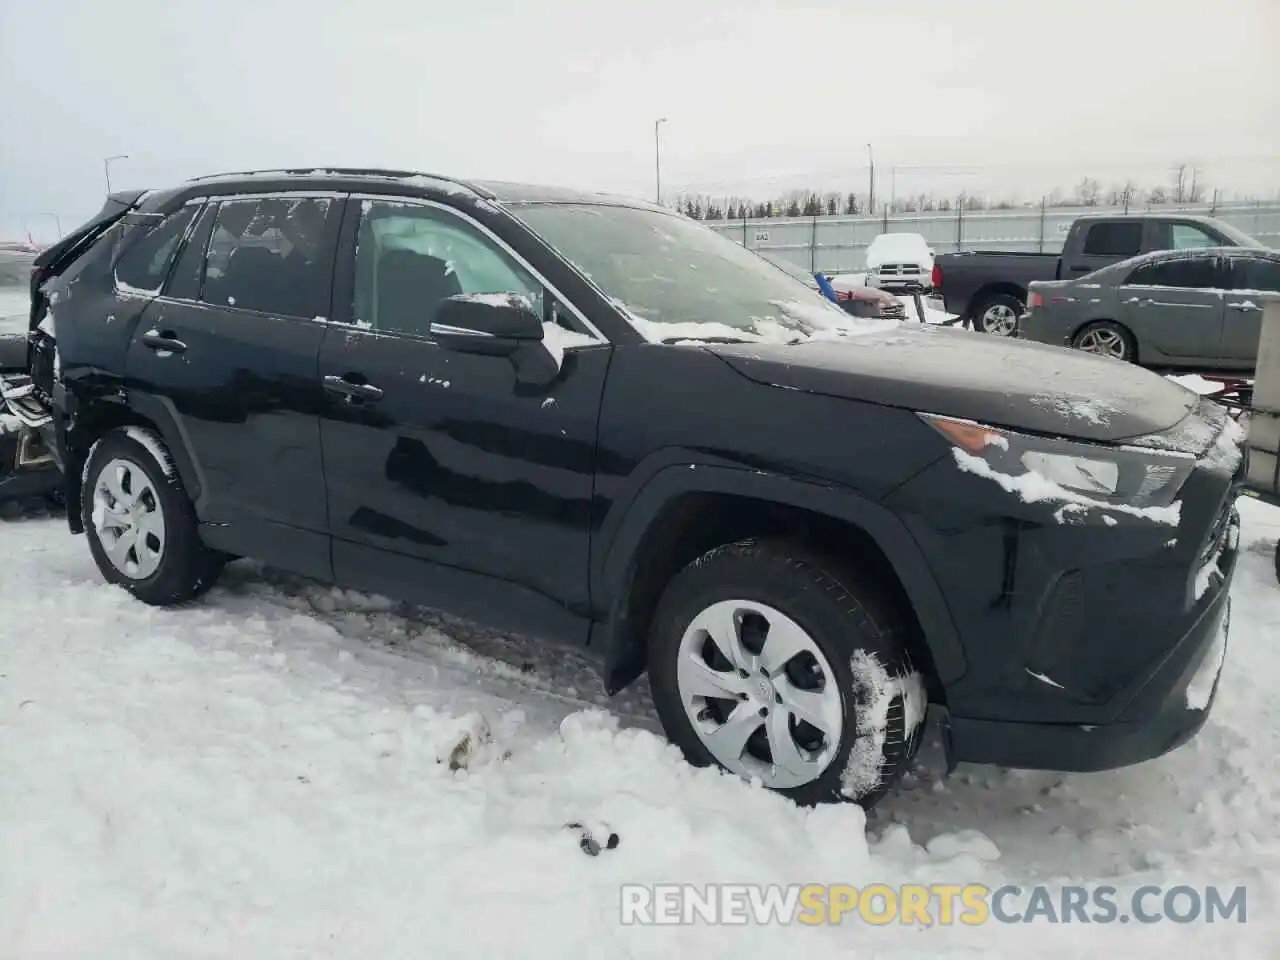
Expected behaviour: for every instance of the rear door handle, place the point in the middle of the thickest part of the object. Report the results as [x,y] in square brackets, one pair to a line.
[1246,306]
[163,341]
[351,390]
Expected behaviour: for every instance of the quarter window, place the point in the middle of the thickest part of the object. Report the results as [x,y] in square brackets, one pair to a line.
[267,255]
[143,265]
[409,258]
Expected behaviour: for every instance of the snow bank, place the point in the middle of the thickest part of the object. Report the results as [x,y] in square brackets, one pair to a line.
[275,772]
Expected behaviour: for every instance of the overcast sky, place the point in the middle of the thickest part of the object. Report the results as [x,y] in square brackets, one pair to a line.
[757,95]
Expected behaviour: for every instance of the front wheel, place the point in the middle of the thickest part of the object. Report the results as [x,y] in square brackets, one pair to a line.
[140,523]
[781,666]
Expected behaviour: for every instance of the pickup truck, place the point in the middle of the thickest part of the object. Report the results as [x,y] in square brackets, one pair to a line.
[988,288]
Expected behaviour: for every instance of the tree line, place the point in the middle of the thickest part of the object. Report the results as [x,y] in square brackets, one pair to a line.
[1187,186]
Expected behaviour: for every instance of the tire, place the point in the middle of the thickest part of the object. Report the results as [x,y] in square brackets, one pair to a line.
[1108,339]
[870,697]
[998,315]
[1278,560]
[182,568]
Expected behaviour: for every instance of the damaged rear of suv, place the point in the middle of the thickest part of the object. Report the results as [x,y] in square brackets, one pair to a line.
[594,422]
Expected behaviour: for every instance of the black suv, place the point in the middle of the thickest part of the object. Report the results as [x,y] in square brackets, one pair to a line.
[595,421]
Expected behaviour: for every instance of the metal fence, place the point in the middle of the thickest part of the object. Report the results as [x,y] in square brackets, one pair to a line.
[838,244]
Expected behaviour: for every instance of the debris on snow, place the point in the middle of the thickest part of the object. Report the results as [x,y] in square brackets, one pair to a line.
[587,834]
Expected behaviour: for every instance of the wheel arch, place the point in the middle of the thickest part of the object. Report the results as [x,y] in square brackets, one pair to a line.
[986,293]
[93,418]
[685,510]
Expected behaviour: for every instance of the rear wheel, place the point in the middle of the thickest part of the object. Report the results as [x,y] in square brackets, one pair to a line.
[999,314]
[1106,338]
[781,666]
[141,526]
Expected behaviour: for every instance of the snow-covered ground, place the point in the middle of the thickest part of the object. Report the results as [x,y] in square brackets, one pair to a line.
[266,774]
[14,304]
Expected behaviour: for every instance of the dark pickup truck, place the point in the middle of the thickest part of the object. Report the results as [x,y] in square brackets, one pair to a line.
[989,287]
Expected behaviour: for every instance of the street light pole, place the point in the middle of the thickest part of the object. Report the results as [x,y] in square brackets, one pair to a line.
[106,168]
[871,182]
[657,161]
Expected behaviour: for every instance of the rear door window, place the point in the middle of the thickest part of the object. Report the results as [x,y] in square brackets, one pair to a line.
[1192,273]
[271,255]
[144,264]
[1255,274]
[1114,239]
[188,273]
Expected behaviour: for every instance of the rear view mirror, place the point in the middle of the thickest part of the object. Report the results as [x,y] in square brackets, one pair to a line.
[496,324]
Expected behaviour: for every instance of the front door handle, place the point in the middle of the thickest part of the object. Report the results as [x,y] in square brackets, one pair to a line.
[1245,306]
[351,390]
[165,341]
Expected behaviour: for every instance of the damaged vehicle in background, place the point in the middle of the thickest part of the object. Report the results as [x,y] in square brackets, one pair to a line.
[591,420]
[27,467]
[860,301]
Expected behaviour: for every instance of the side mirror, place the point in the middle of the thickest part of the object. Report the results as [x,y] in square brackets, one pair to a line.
[494,324]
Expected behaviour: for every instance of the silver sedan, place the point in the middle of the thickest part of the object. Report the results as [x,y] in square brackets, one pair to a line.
[1197,309]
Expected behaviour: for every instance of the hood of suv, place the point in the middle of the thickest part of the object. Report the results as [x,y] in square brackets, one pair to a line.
[993,380]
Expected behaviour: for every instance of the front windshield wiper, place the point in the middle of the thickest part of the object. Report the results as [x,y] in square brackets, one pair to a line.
[706,340]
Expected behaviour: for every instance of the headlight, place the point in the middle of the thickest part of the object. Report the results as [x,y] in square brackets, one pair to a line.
[1110,475]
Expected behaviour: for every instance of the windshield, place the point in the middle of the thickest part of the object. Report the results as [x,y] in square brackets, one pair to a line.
[1238,237]
[791,270]
[679,280]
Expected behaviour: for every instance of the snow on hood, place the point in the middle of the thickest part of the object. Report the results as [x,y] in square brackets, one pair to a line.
[795,322]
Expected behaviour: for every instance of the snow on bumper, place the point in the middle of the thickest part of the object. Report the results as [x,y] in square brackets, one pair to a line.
[1204,681]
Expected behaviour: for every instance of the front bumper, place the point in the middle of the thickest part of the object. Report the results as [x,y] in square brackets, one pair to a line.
[1170,710]
[897,284]
[1081,632]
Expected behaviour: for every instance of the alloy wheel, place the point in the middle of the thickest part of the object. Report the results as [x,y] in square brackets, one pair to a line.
[759,693]
[1104,342]
[128,519]
[999,319]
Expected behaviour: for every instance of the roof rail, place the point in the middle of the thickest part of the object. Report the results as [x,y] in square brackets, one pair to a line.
[338,172]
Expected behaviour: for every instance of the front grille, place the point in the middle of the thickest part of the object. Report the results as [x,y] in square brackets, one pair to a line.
[898,270]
